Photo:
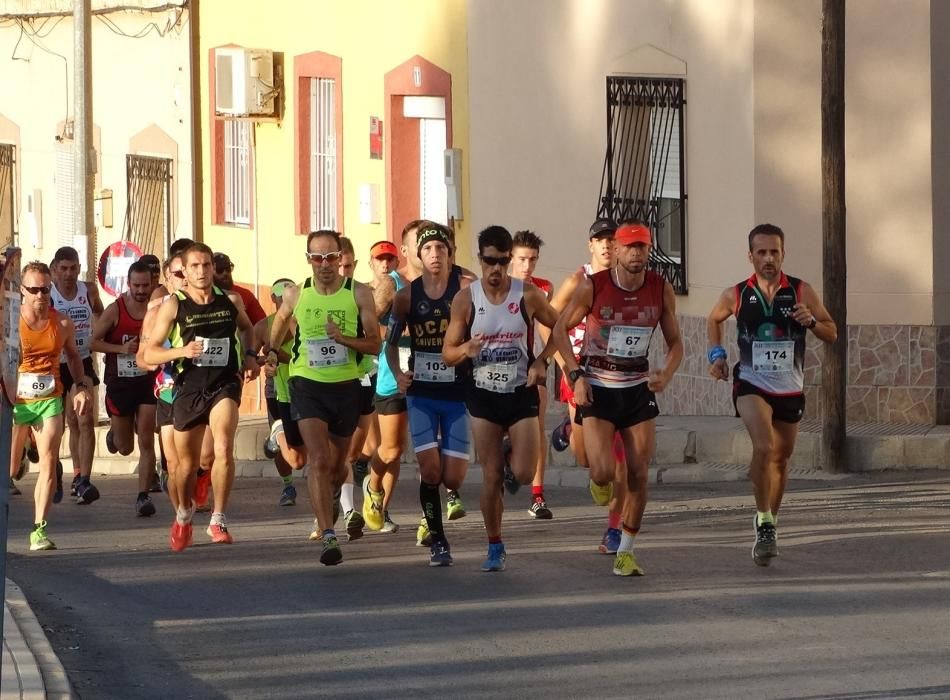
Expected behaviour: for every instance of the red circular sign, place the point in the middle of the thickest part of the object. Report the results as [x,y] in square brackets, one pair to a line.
[114,265]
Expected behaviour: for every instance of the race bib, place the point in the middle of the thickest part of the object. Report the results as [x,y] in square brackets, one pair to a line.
[35,386]
[128,366]
[404,354]
[429,367]
[773,355]
[215,352]
[496,377]
[629,341]
[325,352]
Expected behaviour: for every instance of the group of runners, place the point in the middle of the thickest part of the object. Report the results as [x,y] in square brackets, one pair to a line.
[429,349]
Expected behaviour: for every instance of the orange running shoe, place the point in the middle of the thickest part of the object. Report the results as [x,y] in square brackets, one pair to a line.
[219,534]
[180,537]
[202,487]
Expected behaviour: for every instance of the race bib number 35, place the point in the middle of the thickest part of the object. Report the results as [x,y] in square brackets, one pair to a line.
[429,367]
[35,386]
[496,377]
[629,341]
[325,352]
[215,352]
[773,356]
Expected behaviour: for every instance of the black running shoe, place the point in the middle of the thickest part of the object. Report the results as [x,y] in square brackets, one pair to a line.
[156,485]
[58,493]
[32,453]
[539,509]
[74,486]
[360,472]
[144,507]
[561,435]
[86,493]
[110,442]
[766,545]
[511,483]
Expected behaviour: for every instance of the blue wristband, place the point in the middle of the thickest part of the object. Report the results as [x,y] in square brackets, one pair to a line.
[716,352]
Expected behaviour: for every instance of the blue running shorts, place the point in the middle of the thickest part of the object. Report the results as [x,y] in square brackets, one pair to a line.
[430,418]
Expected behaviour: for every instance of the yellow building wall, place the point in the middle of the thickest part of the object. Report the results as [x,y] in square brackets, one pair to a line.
[371,38]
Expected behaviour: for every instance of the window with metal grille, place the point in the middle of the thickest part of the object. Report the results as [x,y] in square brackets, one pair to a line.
[7,196]
[237,172]
[644,173]
[323,166]
[64,179]
[148,218]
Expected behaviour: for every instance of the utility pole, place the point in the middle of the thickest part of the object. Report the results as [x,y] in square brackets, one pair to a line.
[85,161]
[834,367]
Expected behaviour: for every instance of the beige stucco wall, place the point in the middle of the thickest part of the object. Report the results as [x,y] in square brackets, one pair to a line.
[888,149]
[138,84]
[538,71]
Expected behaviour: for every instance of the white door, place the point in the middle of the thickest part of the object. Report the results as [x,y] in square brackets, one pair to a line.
[433,201]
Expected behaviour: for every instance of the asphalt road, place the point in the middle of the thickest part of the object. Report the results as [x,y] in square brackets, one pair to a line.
[856,606]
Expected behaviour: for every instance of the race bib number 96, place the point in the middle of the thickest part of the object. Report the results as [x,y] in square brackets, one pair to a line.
[325,352]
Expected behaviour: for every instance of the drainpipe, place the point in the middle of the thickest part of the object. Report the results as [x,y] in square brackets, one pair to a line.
[197,178]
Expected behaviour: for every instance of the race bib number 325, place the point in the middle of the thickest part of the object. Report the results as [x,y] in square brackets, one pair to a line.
[496,377]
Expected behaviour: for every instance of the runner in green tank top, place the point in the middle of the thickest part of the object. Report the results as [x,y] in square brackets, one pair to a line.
[336,326]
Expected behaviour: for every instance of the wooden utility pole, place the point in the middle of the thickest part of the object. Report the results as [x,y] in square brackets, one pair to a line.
[834,368]
[85,164]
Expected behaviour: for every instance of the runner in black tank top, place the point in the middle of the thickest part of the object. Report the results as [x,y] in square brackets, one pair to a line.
[773,313]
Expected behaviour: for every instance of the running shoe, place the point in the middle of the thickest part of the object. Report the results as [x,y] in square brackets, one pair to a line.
[162,477]
[625,564]
[144,507]
[601,494]
[354,525]
[511,483]
[58,492]
[271,447]
[561,435]
[539,509]
[373,514]
[86,493]
[288,497]
[331,554]
[110,442]
[454,509]
[202,490]
[180,536]
[14,491]
[766,544]
[39,540]
[74,486]
[610,542]
[389,526]
[23,467]
[439,553]
[156,485]
[218,532]
[360,471]
[496,558]
[32,453]
[423,536]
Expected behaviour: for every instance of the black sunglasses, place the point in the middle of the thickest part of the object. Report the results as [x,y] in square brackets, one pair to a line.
[491,261]
[180,274]
[37,290]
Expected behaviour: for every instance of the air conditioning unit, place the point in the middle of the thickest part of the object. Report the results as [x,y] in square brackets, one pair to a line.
[244,81]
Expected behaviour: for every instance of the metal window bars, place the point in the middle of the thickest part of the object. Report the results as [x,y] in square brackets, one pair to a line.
[237,172]
[323,166]
[7,197]
[148,214]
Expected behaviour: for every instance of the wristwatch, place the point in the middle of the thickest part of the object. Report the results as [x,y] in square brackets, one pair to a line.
[812,323]
[574,374]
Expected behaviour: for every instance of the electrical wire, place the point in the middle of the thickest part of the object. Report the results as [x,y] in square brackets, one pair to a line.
[34,40]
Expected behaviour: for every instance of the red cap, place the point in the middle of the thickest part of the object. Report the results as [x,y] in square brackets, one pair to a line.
[384,248]
[628,234]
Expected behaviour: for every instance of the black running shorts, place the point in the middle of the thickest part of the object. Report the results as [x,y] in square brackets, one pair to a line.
[336,404]
[624,407]
[503,409]
[191,407]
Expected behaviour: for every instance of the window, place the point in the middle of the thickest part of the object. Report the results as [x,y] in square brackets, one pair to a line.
[237,172]
[7,198]
[64,179]
[323,185]
[433,196]
[644,169]
[148,218]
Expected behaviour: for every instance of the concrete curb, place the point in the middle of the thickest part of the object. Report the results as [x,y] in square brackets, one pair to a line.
[39,669]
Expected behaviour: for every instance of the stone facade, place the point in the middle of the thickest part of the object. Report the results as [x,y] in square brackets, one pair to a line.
[896,374]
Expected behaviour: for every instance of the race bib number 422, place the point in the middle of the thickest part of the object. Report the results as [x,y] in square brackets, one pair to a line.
[215,352]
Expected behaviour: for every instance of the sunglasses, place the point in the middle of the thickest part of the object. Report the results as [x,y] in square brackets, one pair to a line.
[180,274]
[492,261]
[322,258]
[37,290]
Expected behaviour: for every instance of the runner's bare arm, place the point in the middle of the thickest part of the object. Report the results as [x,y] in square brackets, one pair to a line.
[246,333]
[397,326]
[278,330]
[159,293]
[383,294]
[724,308]
[455,349]
[154,353]
[147,324]
[660,378]
[811,307]
[574,312]
[95,301]
[559,301]
[100,329]
[370,342]
[541,310]
[82,397]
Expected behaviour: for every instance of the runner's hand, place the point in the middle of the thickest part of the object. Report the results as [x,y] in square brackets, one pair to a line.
[583,396]
[193,349]
[81,401]
[537,373]
[719,370]
[131,347]
[333,332]
[657,381]
[269,370]
[474,346]
[251,368]
[802,314]
[403,380]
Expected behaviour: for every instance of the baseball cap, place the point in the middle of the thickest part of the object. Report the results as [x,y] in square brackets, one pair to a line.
[152,261]
[432,232]
[602,227]
[383,248]
[277,289]
[628,234]
[221,260]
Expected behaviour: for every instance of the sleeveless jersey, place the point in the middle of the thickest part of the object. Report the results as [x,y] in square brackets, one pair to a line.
[313,355]
[428,320]
[576,334]
[79,311]
[38,373]
[508,349]
[385,381]
[165,374]
[771,342]
[620,326]
[548,289]
[215,325]
[123,365]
